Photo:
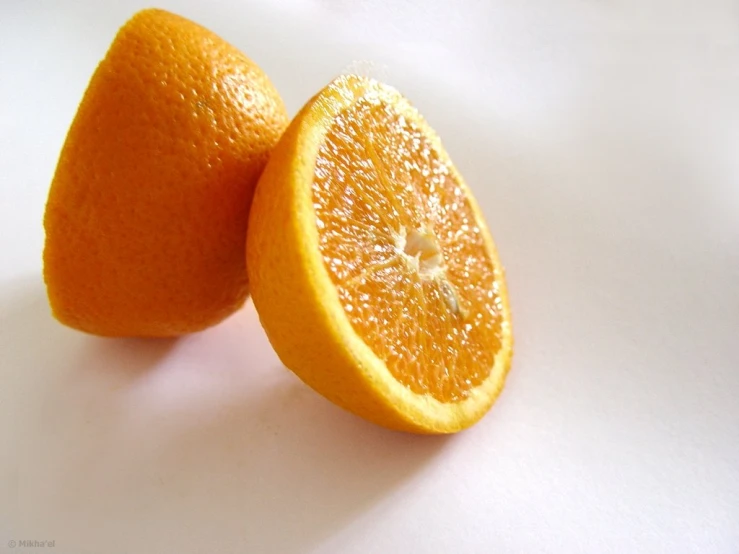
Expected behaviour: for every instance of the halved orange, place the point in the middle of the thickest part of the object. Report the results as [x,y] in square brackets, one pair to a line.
[371,267]
[147,213]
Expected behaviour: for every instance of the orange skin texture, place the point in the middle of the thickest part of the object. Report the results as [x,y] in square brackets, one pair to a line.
[147,213]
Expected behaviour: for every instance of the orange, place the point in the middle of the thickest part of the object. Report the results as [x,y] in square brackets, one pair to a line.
[372,268]
[147,212]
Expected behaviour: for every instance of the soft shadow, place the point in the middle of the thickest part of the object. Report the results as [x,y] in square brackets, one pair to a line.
[32,337]
[198,442]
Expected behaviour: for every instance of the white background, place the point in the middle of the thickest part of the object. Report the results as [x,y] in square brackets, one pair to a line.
[602,140]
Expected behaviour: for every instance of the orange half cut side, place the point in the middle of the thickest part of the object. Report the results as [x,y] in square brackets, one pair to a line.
[372,268]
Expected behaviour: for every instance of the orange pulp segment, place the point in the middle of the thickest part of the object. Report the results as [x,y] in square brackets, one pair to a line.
[403,246]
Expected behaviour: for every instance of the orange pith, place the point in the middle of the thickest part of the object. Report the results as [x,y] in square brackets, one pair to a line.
[402,246]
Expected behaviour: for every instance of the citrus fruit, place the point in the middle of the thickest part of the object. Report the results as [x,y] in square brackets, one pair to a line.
[371,267]
[147,212]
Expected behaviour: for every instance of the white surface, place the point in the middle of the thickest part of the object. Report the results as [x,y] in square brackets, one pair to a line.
[602,140]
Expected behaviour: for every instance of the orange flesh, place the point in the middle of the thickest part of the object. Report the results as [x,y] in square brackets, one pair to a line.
[403,247]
